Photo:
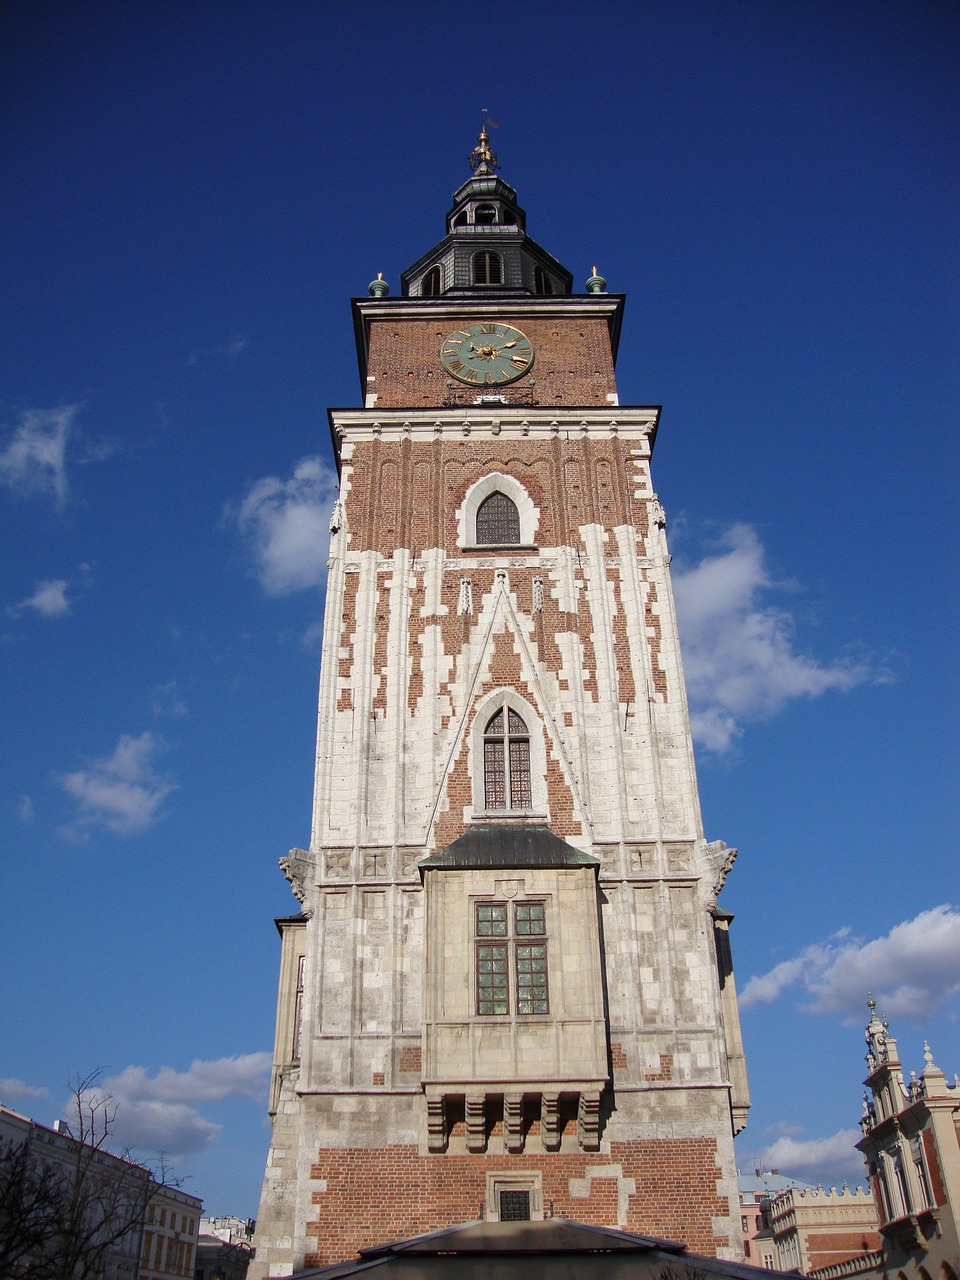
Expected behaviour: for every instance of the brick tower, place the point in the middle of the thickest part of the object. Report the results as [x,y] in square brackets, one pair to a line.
[509,992]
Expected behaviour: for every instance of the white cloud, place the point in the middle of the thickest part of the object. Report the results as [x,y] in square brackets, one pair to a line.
[49,599]
[739,654]
[121,792]
[34,460]
[911,970]
[828,1160]
[286,525]
[159,1113]
[12,1088]
[25,809]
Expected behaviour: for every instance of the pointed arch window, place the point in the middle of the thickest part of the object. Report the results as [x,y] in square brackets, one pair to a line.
[506,761]
[498,522]
[487,268]
[431,284]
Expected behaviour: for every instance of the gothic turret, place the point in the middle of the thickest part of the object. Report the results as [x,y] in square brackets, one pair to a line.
[486,248]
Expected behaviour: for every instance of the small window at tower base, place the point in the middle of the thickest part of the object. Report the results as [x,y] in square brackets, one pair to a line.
[430,288]
[541,281]
[514,1197]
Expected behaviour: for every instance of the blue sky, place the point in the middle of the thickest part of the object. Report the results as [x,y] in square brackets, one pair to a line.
[191,194]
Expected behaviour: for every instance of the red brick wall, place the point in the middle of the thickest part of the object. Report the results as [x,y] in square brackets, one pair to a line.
[389,1193]
[826,1247]
[573,364]
[572,482]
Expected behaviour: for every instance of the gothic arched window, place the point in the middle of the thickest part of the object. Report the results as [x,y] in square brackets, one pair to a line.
[431,284]
[498,522]
[506,761]
[487,268]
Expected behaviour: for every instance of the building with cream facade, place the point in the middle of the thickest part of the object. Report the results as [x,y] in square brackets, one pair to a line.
[508,991]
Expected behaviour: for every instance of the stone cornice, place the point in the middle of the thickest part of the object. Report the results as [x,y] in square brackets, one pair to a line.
[496,421]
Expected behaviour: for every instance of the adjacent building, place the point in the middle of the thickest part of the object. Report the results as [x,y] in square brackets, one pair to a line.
[911,1144]
[79,1201]
[813,1228]
[508,993]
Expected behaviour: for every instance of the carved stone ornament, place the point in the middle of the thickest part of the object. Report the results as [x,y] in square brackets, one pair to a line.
[296,866]
[657,511]
[719,861]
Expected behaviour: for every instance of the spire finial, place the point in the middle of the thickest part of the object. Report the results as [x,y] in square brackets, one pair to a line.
[482,159]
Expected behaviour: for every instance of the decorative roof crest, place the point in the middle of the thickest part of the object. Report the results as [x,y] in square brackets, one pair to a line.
[482,159]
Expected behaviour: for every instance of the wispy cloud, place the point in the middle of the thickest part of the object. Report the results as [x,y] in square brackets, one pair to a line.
[911,971]
[34,459]
[828,1160]
[12,1089]
[122,792]
[49,599]
[167,700]
[25,809]
[740,654]
[160,1112]
[285,524]
[229,349]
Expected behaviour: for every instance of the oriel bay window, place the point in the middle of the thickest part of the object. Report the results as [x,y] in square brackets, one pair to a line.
[511,943]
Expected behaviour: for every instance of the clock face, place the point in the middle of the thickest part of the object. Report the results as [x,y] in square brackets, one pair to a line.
[487,354]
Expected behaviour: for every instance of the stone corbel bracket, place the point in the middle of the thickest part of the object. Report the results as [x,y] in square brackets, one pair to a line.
[297,866]
[719,861]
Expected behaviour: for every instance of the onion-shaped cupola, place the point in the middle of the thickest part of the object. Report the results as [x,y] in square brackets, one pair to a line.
[486,249]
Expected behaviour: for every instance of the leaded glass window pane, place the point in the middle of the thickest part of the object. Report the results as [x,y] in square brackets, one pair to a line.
[494,784]
[498,521]
[520,773]
[495,723]
[530,917]
[492,978]
[506,739]
[491,920]
[531,978]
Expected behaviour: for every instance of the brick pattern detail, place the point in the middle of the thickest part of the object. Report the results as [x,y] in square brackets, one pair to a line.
[446,468]
[379,1077]
[573,364]
[410,1059]
[504,673]
[347,629]
[621,643]
[654,639]
[675,1195]
[618,1058]
[665,1072]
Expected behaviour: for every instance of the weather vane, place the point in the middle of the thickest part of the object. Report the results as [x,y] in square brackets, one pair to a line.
[482,158]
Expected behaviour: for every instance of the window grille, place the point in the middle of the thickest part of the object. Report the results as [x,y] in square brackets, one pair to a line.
[487,268]
[498,522]
[506,740]
[431,284]
[514,1206]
